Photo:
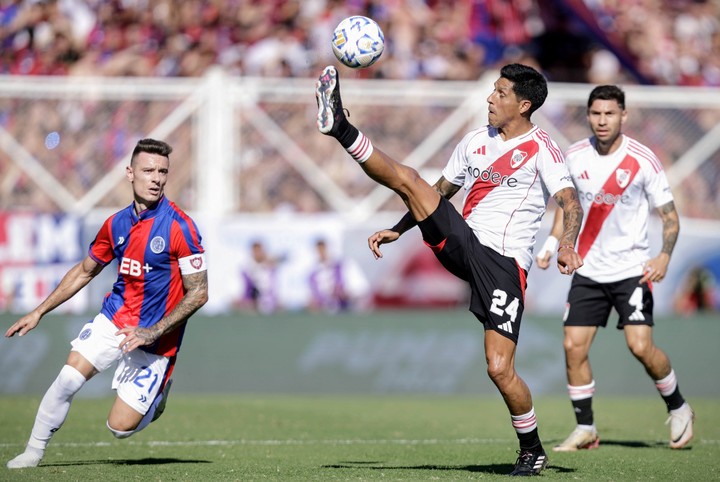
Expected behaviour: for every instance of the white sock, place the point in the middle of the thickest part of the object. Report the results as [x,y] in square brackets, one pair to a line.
[525,423]
[581,392]
[55,406]
[119,433]
[361,149]
[666,386]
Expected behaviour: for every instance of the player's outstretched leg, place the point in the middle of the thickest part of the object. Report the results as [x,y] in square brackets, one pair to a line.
[681,426]
[51,415]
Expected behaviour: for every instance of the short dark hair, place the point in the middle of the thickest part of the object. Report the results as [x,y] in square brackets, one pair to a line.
[151,146]
[528,84]
[607,92]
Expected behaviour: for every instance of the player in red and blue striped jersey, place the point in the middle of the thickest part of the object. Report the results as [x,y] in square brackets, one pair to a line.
[162,281]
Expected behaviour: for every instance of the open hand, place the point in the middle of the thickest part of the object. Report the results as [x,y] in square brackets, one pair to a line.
[381,237]
[23,325]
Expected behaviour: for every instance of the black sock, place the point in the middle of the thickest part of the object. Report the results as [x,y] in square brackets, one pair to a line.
[530,441]
[674,400]
[583,411]
[347,133]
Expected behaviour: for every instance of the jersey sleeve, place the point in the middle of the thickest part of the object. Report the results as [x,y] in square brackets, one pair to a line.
[186,244]
[455,170]
[553,169]
[657,188]
[101,249]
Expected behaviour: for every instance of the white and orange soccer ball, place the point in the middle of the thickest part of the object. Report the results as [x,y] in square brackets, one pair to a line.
[358,42]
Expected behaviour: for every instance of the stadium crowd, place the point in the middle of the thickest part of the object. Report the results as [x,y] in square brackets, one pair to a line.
[673,42]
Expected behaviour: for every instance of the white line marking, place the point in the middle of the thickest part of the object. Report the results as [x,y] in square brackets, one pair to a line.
[208,443]
[195,443]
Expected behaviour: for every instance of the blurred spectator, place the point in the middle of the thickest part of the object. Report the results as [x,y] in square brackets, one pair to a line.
[260,280]
[335,284]
[697,294]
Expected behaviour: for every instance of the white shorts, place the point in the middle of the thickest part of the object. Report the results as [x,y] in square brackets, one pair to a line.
[139,375]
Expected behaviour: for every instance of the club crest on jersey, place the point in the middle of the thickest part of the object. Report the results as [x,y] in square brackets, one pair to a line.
[622,176]
[157,245]
[517,158]
[196,262]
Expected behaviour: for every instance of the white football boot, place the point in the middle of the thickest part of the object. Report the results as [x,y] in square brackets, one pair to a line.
[579,439]
[681,426]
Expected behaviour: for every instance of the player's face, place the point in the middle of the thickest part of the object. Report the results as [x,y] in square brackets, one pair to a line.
[503,104]
[148,175]
[606,119]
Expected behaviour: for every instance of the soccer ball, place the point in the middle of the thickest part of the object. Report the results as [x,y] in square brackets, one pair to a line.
[358,42]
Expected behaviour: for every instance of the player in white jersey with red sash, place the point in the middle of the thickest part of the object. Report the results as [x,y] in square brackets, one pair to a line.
[502,181]
[619,181]
[507,170]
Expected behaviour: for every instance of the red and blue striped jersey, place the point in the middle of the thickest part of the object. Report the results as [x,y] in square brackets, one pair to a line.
[154,249]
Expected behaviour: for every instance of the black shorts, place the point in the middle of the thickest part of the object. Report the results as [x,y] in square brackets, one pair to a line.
[589,302]
[497,283]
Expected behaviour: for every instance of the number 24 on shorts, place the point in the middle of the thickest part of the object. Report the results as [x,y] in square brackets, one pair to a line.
[501,307]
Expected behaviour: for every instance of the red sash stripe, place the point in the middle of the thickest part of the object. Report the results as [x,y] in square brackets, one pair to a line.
[598,212]
[501,167]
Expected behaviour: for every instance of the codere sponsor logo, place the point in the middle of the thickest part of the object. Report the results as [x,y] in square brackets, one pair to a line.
[603,198]
[489,175]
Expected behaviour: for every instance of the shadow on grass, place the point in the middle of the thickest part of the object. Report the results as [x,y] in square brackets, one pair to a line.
[145,461]
[497,469]
[633,444]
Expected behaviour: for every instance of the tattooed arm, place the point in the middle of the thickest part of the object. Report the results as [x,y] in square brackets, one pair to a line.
[196,295]
[568,259]
[656,268]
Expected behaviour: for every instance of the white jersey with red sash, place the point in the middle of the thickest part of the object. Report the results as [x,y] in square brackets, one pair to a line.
[507,185]
[617,192]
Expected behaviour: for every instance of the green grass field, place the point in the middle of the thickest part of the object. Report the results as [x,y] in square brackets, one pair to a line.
[245,406]
[247,438]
